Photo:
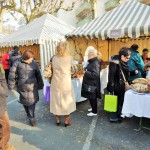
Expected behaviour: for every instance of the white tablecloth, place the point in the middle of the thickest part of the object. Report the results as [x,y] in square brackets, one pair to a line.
[77,84]
[137,104]
[103,79]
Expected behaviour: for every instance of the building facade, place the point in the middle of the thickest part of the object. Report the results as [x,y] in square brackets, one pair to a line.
[84,11]
[111,4]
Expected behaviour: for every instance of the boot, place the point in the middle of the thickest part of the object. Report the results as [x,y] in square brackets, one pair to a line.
[67,121]
[58,120]
[32,122]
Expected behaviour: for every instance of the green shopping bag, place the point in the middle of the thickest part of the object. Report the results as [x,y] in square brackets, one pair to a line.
[110,103]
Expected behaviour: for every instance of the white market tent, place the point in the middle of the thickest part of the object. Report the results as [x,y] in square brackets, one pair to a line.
[46,31]
[131,19]
[2,35]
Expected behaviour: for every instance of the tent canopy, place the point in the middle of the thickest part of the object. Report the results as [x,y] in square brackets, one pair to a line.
[43,29]
[2,35]
[131,19]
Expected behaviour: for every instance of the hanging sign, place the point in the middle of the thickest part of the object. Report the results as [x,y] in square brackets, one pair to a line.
[115,33]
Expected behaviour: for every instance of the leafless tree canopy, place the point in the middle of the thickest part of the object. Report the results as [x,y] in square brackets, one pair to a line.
[32,9]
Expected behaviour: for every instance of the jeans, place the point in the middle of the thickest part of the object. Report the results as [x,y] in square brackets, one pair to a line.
[30,110]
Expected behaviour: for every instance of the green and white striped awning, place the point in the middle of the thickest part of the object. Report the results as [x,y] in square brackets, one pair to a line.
[131,19]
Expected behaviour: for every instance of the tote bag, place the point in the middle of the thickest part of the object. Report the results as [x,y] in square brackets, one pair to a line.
[46,91]
[110,103]
[47,94]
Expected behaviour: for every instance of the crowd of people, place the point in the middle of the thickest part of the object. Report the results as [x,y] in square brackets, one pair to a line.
[22,74]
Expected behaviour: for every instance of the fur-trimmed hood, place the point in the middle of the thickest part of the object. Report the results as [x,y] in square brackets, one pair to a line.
[114,59]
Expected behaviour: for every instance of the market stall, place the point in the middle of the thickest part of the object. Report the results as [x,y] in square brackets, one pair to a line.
[41,35]
[127,24]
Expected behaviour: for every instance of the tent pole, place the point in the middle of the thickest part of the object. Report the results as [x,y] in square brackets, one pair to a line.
[108,49]
[97,44]
[41,57]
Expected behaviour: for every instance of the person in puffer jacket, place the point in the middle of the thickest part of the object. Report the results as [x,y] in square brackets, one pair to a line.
[116,83]
[14,55]
[29,81]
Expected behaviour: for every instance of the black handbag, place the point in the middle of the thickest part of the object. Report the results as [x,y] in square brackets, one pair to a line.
[89,88]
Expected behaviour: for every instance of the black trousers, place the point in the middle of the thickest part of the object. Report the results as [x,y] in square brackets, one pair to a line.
[93,103]
[115,115]
[30,110]
[6,74]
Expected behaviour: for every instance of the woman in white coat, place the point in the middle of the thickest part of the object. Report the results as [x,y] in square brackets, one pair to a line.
[62,100]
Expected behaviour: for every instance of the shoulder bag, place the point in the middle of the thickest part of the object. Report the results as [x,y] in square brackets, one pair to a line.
[89,88]
[48,72]
[127,86]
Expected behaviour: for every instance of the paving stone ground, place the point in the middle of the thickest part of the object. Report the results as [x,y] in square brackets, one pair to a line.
[47,136]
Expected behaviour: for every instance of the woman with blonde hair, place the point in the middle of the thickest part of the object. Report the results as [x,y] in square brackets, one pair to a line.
[91,80]
[62,100]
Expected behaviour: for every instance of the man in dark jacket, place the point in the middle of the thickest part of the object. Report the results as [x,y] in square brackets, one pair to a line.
[4,119]
[14,55]
[91,81]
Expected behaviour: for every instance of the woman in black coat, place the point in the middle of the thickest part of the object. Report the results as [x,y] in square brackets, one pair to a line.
[116,83]
[91,81]
[28,81]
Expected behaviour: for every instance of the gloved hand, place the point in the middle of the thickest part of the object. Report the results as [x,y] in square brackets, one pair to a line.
[111,93]
[110,89]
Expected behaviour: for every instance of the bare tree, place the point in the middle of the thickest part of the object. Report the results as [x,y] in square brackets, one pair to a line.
[32,9]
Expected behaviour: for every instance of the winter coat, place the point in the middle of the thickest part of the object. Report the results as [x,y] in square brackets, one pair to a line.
[14,55]
[135,63]
[5,61]
[62,99]
[115,79]
[29,80]
[92,77]
[3,93]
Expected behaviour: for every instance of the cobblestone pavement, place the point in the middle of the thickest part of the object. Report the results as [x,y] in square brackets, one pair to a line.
[85,133]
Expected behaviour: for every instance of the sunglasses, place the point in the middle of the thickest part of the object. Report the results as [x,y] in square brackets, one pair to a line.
[127,57]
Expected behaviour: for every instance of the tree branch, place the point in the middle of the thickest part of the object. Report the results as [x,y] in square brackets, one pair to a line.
[39,8]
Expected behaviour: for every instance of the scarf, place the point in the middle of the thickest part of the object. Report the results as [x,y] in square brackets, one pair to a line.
[124,65]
